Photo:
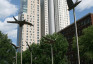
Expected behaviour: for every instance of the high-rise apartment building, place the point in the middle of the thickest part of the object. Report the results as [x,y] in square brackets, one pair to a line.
[44,18]
[29,11]
[61,15]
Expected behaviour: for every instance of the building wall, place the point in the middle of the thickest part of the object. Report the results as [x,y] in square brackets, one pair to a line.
[61,14]
[92,18]
[44,18]
[69,33]
[30,11]
[81,24]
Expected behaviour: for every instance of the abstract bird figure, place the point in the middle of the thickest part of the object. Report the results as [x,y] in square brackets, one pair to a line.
[16,47]
[72,5]
[21,23]
[29,47]
[50,41]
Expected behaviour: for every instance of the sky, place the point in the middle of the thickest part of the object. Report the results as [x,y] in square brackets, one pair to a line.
[10,8]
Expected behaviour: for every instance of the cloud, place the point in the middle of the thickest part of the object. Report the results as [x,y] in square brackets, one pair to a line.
[85,4]
[7,8]
[8,28]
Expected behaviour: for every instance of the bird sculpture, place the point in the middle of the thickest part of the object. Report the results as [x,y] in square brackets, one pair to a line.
[29,47]
[21,23]
[16,47]
[50,41]
[72,5]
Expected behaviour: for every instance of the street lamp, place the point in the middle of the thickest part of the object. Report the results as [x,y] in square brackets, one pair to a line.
[71,5]
[30,51]
[16,47]
[21,23]
[50,41]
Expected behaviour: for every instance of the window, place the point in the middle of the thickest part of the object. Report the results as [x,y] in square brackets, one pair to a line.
[37,37]
[30,36]
[26,36]
[30,42]
[37,41]
[37,1]
[27,39]
[24,5]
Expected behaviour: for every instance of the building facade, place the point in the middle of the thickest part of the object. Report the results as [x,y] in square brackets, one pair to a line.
[29,11]
[61,15]
[44,18]
[69,33]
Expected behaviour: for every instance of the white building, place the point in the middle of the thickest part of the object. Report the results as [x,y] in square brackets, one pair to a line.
[44,18]
[30,11]
[61,15]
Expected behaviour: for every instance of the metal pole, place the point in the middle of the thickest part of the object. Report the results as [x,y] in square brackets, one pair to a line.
[52,53]
[16,57]
[31,57]
[76,36]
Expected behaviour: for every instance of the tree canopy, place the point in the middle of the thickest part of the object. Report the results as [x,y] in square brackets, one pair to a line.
[7,52]
[41,53]
[86,44]
[60,47]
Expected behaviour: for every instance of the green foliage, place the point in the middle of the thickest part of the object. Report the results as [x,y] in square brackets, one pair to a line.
[7,52]
[42,52]
[86,44]
[59,47]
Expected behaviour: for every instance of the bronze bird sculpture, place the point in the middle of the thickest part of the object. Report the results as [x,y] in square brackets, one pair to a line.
[21,23]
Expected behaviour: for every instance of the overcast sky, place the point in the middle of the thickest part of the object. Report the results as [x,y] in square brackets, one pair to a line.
[9,8]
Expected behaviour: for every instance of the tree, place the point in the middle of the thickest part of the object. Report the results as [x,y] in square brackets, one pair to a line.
[7,52]
[41,53]
[27,55]
[86,44]
[60,47]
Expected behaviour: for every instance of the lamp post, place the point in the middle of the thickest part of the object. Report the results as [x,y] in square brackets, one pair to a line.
[21,23]
[71,5]
[30,51]
[50,41]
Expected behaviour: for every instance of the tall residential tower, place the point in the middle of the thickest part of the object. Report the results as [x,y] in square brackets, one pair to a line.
[61,15]
[29,11]
[44,18]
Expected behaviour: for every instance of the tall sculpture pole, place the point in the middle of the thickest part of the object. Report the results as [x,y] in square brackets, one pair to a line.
[30,51]
[16,57]
[21,41]
[50,41]
[21,23]
[31,57]
[71,5]
[52,53]
[16,47]
[76,35]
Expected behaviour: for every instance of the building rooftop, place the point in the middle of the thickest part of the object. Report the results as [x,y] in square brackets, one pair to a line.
[77,21]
